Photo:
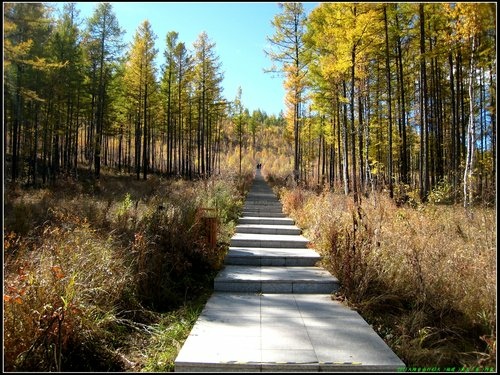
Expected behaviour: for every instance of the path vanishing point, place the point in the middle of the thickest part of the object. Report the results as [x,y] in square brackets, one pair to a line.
[272,310]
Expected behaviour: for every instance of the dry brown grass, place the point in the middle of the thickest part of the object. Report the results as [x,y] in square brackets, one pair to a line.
[90,264]
[424,276]
[58,290]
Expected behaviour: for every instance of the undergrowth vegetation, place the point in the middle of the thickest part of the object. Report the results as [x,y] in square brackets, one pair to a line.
[92,269]
[424,276]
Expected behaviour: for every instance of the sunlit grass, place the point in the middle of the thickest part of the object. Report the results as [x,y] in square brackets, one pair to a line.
[170,334]
[424,276]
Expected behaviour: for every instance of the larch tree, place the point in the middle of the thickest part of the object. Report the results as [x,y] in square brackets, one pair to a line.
[343,37]
[330,71]
[389,102]
[256,122]
[121,109]
[423,107]
[471,28]
[239,122]
[27,29]
[175,82]
[208,93]
[103,40]
[401,25]
[65,49]
[324,87]
[362,31]
[184,76]
[288,50]
[168,84]
[140,79]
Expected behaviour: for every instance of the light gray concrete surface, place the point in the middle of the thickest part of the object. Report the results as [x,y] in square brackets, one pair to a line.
[269,240]
[257,256]
[266,220]
[265,214]
[272,310]
[272,279]
[282,332]
[268,229]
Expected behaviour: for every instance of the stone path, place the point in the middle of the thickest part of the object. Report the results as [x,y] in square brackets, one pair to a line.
[271,309]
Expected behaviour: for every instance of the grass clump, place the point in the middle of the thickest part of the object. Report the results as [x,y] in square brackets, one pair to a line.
[58,293]
[170,334]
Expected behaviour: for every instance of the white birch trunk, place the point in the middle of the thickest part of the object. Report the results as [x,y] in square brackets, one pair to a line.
[470,137]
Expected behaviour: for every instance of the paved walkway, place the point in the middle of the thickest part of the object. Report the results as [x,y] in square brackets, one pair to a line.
[271,309]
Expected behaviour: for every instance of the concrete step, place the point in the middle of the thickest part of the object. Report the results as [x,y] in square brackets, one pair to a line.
[268,229]
[264,195]
[262,201]
[268,240]
[263,205]
[265,220]
[265,279]
[263,208]
[283,333]
[263,213]
[258,256]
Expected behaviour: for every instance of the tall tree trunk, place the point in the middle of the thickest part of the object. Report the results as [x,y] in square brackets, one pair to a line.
[170,132]
[76,135]
[424,167]
[468,193]
[16,127]
[145,153]
[129,142]
[35,145]
[481,132]
[240,140]
[404,148]
[461,94]
[378,115]
[297,99]
[138,146]
[346,146]
[340,154]
[454,152]
[353,127]
[100,119]
[389,101]
[360,143]
[179,120]
[493,118]
[440,125]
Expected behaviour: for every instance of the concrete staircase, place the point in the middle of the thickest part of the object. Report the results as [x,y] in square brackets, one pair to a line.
[268,254]
[271,309]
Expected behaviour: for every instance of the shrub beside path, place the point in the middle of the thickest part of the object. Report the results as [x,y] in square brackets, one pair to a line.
[272,310]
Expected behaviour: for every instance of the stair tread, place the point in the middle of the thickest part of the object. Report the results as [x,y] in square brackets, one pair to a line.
[275,274]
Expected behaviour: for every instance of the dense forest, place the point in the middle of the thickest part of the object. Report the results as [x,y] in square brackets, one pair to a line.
[76,97]
[399,95]
[111,161]
[384,95]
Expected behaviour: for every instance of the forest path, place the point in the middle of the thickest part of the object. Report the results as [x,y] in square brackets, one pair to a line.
[271,309]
